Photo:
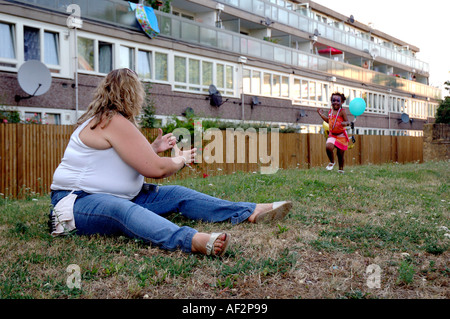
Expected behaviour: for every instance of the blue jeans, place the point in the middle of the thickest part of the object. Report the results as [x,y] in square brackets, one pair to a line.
[143,216]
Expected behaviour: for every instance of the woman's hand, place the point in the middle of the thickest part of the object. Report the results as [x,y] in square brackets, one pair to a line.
[187,156]
[163,143]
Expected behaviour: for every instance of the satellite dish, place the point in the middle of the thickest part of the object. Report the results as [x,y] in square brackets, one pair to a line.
[301,113]
[34,78]
[255,101]
[374,52]
[189,111]
[404,118]
[267,21]
[215,98]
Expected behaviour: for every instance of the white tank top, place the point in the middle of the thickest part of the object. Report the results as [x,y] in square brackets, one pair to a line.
[95,171]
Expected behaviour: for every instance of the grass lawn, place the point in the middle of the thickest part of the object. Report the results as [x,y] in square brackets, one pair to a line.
[375,232]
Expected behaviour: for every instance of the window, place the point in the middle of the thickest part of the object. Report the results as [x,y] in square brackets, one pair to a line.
[51,118]
[33,117]
[161,66]
[31,44]
[150,65]
[101,62]
[307,92]
[197,75]
[7,41]
[144,68]
[267,84]
[194,74]
[180,71]
[105,57]
[207,73]
[284,86]
[51,48]
[86,54]
[126,59]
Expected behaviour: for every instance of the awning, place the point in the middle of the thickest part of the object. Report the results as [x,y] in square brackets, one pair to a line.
[330,50]
[146,18]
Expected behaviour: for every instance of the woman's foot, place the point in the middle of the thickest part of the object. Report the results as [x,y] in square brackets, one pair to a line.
[210,244]
[330,166]
[270,212]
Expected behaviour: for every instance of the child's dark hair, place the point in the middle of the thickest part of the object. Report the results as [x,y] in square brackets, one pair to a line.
[343,98]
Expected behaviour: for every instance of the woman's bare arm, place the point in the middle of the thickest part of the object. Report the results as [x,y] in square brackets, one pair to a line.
[136,151]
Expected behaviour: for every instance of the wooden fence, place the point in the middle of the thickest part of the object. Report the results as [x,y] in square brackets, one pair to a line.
[30,153]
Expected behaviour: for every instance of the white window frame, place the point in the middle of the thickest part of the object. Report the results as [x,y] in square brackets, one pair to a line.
[61,70]
[11,61]
[202,88]
[308,101]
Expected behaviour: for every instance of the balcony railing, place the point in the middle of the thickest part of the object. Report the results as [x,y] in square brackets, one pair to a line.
[194,32]
[306,24]
[117,13]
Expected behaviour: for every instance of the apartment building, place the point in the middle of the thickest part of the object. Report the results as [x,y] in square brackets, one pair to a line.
[272,61]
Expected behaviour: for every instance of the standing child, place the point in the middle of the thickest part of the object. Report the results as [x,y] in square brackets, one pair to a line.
[338,138]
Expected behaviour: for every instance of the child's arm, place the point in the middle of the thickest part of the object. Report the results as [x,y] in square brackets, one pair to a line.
[325,118]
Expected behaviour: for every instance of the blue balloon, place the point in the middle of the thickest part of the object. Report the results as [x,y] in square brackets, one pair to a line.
[357,106]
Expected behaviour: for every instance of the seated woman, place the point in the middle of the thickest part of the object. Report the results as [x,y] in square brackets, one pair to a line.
[98,188]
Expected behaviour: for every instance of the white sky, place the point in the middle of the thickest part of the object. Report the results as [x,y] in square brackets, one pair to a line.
[423,24]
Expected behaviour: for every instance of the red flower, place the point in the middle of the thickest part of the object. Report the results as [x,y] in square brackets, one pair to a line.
[205,175]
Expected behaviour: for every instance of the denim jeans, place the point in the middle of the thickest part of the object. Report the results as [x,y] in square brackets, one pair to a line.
[143,216]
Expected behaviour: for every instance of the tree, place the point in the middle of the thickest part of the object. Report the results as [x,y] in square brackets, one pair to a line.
[443,111]
[147,118]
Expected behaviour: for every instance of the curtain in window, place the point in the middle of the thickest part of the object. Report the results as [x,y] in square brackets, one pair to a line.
[180,69]
[256,82]
[219,75]
[246,82]
[194,71]
[207,73]
[104,57]
[161,66]
[7,41]
[127,57]
[32,45]
[144,64]
[51,48]
[53,119]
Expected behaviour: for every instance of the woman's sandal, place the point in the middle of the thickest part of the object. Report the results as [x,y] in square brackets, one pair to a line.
[210,245]
[330,166]
[279,211]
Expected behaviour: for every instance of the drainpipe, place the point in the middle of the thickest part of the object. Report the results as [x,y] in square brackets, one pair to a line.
[242,60]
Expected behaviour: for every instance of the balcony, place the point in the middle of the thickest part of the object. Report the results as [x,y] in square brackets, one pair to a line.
[301,21]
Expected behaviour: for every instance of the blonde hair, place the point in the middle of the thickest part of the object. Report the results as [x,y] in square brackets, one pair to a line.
[120,92]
